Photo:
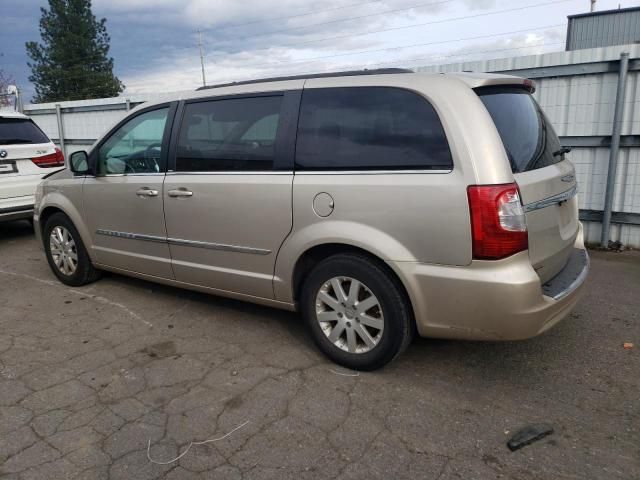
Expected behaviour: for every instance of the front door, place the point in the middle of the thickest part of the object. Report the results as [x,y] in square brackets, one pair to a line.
[228,202]
[123,202]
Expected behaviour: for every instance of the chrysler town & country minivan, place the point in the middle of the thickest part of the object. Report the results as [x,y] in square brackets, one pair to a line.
[378,204]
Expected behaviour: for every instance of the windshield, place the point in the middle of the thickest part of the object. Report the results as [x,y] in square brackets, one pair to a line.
[20,130]
[526,133]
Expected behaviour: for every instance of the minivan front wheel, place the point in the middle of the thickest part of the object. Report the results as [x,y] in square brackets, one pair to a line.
[66,253]
[356,311]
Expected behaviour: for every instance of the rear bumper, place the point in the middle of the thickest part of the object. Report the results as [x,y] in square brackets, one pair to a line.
[492,300]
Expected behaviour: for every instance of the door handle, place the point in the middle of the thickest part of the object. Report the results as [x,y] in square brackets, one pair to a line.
[147,192]
[180,192]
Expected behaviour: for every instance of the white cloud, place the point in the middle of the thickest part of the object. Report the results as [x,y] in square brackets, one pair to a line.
[244,52]
[185,73]
[207,13]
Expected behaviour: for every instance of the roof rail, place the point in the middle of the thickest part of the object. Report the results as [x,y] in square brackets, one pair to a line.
[348,73]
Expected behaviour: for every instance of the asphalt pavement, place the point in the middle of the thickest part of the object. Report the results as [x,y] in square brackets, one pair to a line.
[104,380]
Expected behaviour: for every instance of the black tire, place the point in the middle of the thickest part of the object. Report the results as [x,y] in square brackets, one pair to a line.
[85,272]
[396,310]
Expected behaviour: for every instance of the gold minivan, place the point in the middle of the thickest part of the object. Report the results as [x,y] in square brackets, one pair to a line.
[378,204]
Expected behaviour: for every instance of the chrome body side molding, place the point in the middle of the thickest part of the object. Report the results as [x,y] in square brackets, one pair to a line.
[218,246]
[131,236]
[182,242]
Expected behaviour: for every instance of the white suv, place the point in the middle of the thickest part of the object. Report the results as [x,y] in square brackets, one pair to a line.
[26,154]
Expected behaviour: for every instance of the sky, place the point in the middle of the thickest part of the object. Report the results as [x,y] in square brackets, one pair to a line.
[155,42]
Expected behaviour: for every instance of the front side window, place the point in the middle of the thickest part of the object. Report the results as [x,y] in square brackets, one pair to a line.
[369,128]
[237,134]
[136,147]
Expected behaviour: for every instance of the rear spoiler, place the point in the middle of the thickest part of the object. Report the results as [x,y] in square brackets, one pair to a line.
[508,87]
[478,80]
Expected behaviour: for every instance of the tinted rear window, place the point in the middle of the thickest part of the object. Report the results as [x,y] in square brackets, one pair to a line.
[20,130]
[369,128]
[526,133]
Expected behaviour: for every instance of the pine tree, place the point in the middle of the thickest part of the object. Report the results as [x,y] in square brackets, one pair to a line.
[72,63]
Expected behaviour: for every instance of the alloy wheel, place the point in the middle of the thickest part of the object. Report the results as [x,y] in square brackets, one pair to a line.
[63,250]
[349,314]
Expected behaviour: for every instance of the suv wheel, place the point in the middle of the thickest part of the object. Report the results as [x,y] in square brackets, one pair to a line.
[66,253]
[356,311]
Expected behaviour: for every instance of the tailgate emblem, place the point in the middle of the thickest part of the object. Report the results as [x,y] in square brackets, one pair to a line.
[567,178]
[3,153]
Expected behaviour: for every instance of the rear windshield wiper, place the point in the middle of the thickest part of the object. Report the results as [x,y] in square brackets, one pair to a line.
[7,141]
[562,151]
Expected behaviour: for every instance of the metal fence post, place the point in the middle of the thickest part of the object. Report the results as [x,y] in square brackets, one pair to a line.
[19,105]
[60,130]
[615,147]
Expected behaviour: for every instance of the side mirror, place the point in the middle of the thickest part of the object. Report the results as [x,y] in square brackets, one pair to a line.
[79,162]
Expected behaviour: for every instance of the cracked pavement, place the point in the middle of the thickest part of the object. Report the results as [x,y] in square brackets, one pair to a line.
[88,376]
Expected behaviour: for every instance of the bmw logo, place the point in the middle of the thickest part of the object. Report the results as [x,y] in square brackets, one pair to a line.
[3,153]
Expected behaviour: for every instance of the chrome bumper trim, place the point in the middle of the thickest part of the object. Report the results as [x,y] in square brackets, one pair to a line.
[559,198]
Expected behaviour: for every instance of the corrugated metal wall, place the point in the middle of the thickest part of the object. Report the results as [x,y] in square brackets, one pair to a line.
[580,105]
[601,29]
[591,170]
[583,105]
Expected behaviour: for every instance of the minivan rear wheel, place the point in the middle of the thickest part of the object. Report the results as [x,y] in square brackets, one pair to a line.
[356,311]
[66,254]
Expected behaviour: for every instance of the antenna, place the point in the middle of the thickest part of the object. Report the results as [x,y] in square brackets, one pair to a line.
[593,5]
[204,79]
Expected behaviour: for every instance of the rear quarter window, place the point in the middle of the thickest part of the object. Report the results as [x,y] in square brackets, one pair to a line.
[19,131]
[369,128]
[527,135]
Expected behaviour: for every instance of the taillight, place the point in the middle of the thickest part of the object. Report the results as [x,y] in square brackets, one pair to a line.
[498,225]
[55,159]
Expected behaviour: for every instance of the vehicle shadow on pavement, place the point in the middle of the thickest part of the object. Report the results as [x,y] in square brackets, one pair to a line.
[218,306]
[473,363]
[15,230]
[518,363]
[523,363]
